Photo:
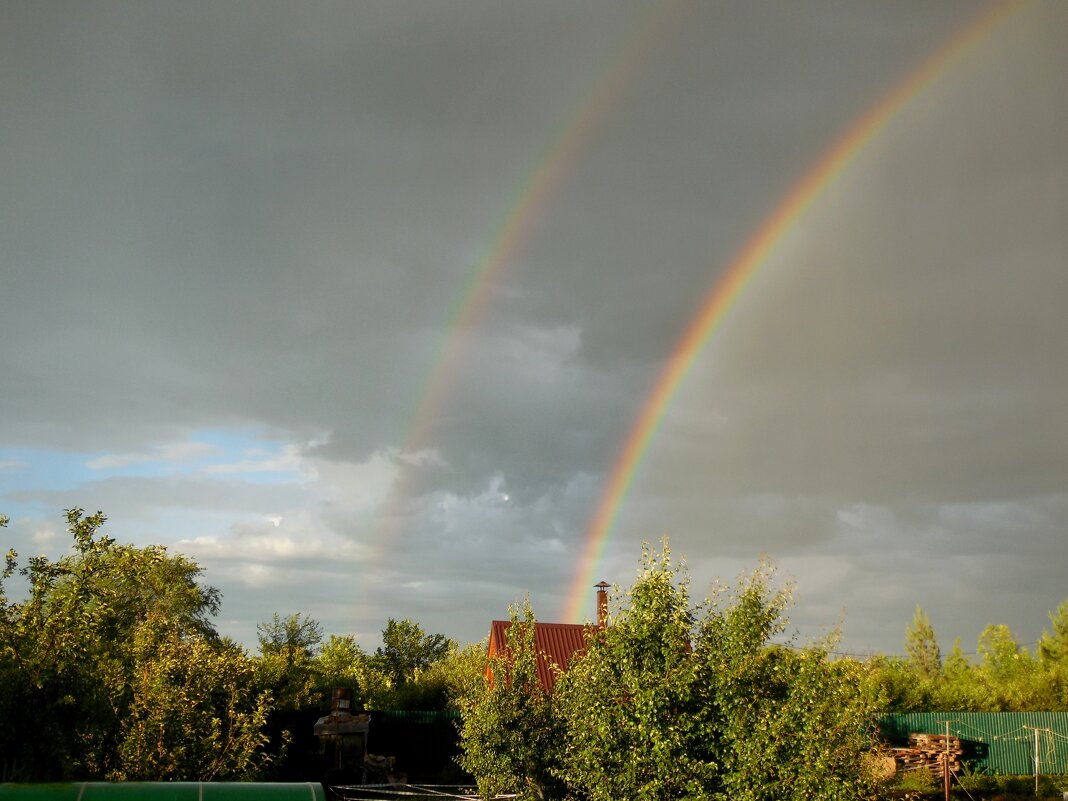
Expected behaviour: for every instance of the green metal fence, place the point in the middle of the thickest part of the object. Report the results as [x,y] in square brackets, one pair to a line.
[997,742]
[415,715]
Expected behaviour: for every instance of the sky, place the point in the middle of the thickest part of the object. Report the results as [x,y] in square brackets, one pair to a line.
[358,304]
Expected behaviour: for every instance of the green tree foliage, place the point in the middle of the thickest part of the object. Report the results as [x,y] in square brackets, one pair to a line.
[915,683]
[509,733]
[957,689]
[461,673]
[636,724]
[791,722]
[343,663]
[922,647]
[407,672]
[296,632]
[190,714]
[73,658]
[406,650]
[676,701]
[1005,677]
[1053,645]
[427,690]
[340,662]
[286,667]
[999,652]
[901,688]
[1009,673]
[438,687]
[1053,656]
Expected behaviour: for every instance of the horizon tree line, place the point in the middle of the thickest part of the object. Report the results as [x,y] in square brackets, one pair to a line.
[111,668]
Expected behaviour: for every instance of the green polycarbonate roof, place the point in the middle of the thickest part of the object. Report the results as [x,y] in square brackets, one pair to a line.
[163,791]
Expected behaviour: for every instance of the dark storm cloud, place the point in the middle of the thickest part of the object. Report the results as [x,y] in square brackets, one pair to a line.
[266,215]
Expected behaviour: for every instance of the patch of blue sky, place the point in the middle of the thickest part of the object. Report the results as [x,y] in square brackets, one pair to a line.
[26,468]
[23,470]
[249,455]
[244,455]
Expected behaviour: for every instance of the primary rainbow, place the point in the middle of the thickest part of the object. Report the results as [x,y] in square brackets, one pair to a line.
[538,187]
[741,270]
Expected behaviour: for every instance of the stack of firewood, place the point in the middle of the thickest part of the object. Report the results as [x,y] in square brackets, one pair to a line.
[929,751]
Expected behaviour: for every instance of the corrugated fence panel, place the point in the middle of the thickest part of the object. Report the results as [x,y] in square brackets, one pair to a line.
[999,742]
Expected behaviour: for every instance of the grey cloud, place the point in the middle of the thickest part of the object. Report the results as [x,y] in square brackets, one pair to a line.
[248,214]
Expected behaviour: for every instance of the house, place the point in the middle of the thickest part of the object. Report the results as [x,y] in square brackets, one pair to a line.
[557,643]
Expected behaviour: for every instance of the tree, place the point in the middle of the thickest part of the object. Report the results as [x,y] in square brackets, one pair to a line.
[343,663]
[1006,678]
[296,632]
[286,665]
[509,733]
[437,687]
[432,685]
[406,649]
[922,647]
[1053,645]
[1053,656]
[461,672]
[339,664]
[901,688]
[674,702]
[959,688]
[999,652]
[73,652]
[790,722]
[1010,675]
[635,727]
[194,712]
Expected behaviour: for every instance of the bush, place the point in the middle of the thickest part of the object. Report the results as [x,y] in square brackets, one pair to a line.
[676,701]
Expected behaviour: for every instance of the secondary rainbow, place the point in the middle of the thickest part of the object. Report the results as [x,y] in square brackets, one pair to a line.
[741,270]
[538,188]
[536,191]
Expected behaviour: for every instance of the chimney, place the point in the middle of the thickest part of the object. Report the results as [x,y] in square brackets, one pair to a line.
[341,701]
[602,603]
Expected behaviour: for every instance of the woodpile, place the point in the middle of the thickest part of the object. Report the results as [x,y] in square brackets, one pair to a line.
[929,751]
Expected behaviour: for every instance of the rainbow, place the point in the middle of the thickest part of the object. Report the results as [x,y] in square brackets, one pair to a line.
[536,190]
[736,277]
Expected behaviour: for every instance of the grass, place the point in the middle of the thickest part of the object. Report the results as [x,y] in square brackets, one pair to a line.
[921,784]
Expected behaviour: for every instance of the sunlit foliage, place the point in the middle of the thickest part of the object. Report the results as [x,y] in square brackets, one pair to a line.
[676,700]
[111,664]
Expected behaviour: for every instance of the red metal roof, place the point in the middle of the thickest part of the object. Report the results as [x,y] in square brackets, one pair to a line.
[557,644]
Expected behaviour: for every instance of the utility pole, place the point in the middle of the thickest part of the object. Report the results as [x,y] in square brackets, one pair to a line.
[945,766]
[1036,731]
[1036,762]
